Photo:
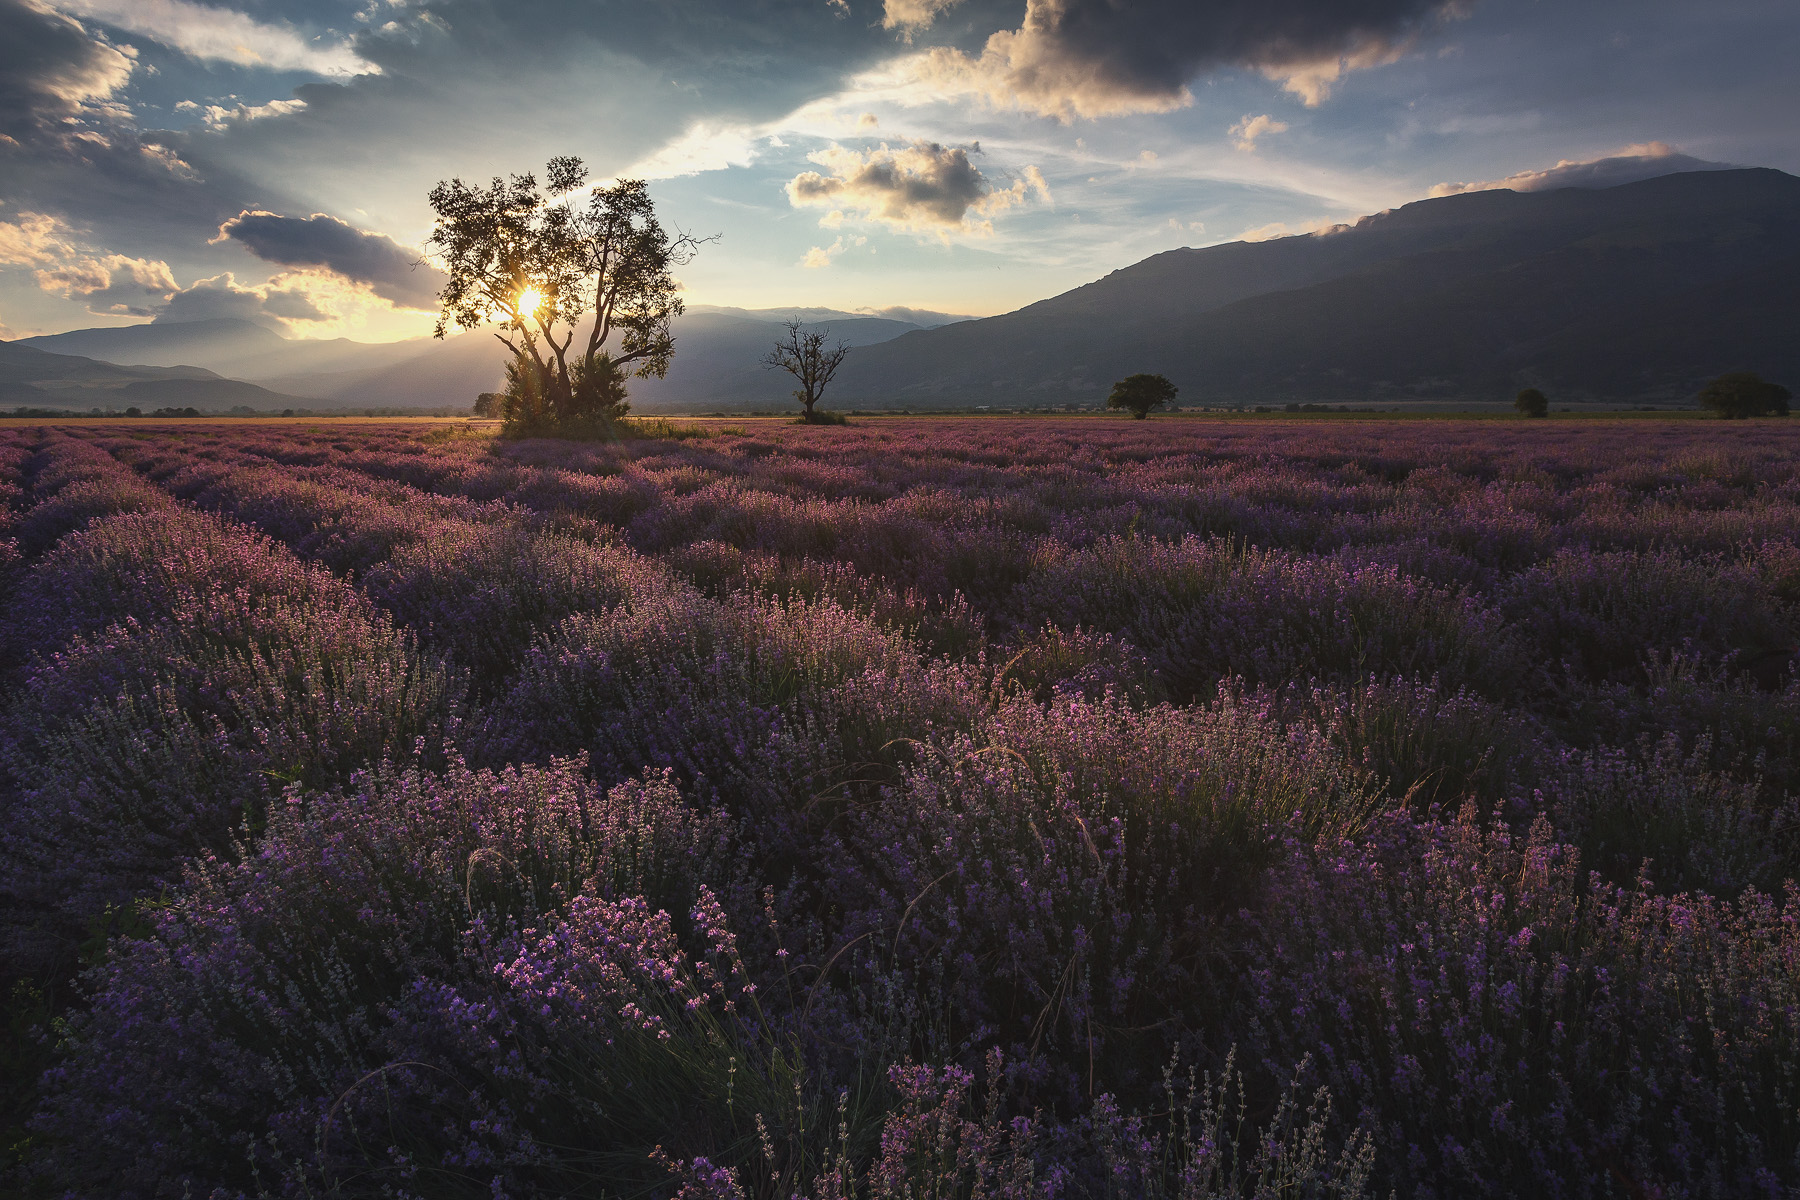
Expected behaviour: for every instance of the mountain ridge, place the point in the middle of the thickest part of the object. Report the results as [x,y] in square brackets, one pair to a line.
[1428,300]
[30,375]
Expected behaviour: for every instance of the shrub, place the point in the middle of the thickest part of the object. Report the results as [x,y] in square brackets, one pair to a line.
[149,740]
[1600,614]
[1202,611]
[1745,394]
[465,982]
[1422,743]
[1079,861]
[1502,1029]
[1659,815]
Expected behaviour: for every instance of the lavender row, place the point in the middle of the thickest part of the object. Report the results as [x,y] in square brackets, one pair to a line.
[1444,808]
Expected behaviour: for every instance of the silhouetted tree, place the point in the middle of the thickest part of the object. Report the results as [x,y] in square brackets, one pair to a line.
[1532,403]
[1745,394]
[1141,394]
[542,266]
[803,354]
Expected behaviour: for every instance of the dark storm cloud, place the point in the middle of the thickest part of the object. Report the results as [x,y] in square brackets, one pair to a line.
[49,67]
[323,241]
[1098,57]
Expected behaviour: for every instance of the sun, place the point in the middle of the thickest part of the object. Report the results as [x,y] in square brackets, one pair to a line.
[530,300]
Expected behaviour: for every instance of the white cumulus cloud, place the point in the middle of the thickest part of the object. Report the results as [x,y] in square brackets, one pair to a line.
[1246,131]
[922,186]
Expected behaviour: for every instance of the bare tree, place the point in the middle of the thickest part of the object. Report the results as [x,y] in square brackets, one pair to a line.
[804,355]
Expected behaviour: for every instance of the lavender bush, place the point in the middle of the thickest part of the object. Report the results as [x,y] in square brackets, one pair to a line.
[1013,808]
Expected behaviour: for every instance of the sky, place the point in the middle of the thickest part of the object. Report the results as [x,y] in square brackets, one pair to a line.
[170,160]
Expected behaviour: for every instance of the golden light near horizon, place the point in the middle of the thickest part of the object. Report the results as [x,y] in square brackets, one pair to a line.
[530,300]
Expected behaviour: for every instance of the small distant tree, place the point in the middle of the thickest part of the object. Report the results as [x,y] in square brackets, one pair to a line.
[1745,394]
[490,404]
[543,263]
[803,354]
[1141,394]
[1532,403]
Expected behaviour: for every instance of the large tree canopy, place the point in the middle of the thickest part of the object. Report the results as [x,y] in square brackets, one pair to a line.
[1141,394]
[1745,394]
[561,277]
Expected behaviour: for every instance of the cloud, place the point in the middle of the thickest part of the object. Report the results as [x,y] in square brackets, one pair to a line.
[1096,58]
[117,285]
[821,256]
[1312,77]
[1647,160]
[108,284]
[294,304]
[1245,132]
[217,116]
[222,35]
[50,67]
[928,317]
[703,147]
[120,285]
[1281,229]
[34,240]
[112,285]
[215,298]
[910,15]
[326,303]
[922,186]
[382,264]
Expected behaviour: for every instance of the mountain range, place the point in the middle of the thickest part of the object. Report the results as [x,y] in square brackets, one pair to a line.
[31,377]
[1638,292]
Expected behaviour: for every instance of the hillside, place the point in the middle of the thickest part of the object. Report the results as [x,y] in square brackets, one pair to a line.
[1634,292]
[32,376]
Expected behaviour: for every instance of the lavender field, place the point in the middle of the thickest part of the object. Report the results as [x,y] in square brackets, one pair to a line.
[921,808]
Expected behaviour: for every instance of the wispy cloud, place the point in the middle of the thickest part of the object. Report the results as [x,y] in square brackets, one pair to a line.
[223,35]
[1646,160]
[705,147]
